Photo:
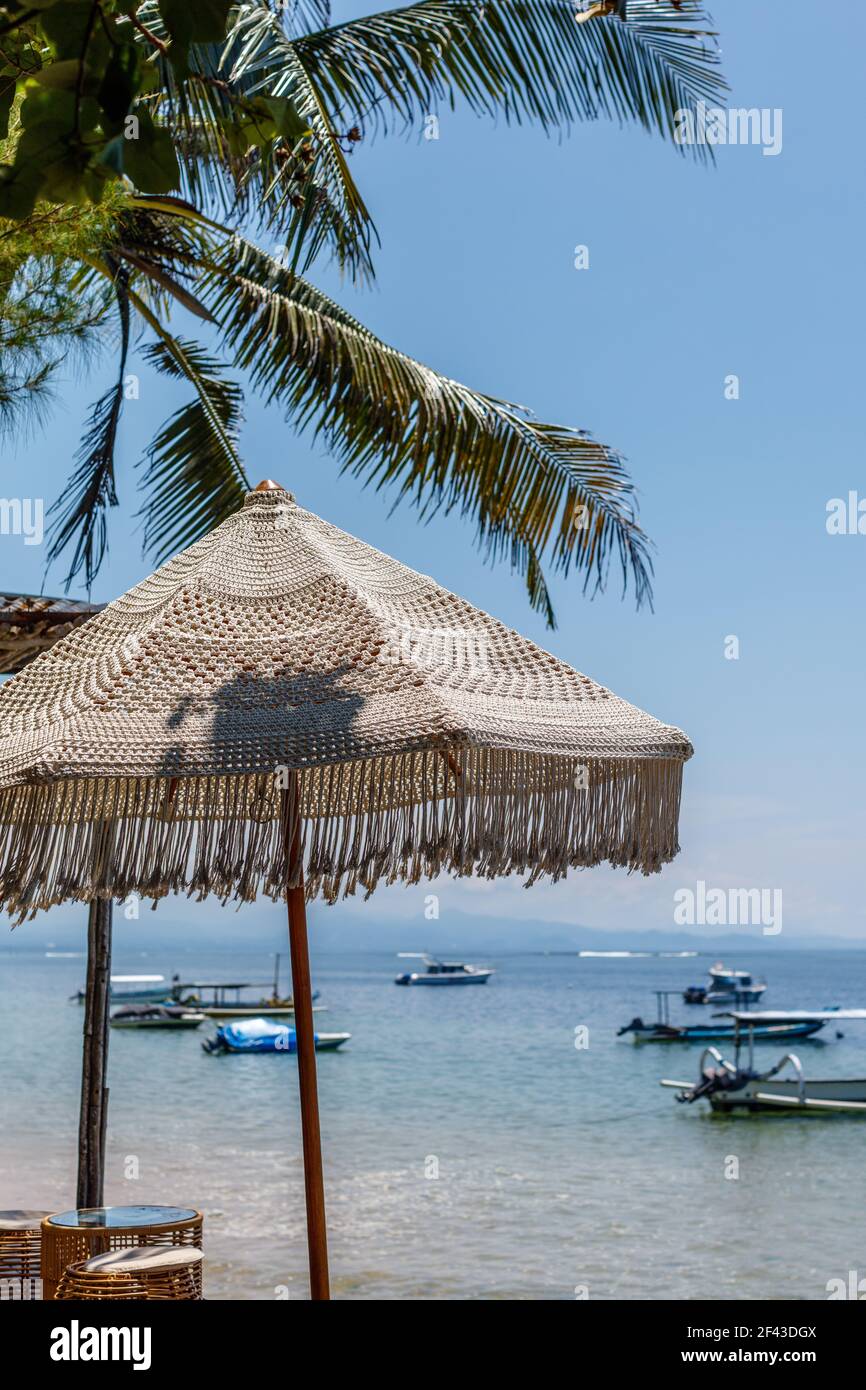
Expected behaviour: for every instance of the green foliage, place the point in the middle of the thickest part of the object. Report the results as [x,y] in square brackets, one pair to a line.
[527,59]
[52,311]
[394,421]
[136,138]
[84,68]
[45,321]
[193,474]
[91,490]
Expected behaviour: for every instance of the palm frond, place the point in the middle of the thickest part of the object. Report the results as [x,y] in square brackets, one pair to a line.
[193,477]
[300,182]
[260,59]
[526,59]
[531,488]
[80,511]
[303,16]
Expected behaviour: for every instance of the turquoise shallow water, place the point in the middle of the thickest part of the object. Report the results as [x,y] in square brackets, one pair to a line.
[557,1168]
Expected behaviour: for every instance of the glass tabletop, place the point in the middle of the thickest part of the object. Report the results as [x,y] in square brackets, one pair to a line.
[109,1218]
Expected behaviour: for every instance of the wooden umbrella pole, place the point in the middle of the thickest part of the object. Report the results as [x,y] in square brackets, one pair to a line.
[94,1092]
[302,995]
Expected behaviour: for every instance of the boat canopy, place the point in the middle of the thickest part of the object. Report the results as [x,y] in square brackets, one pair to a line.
[223,984]
[791,1015]
[137,979]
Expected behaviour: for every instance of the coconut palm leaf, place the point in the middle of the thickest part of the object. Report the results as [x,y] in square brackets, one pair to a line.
[302,16]
[194,468]
[296,180]
[261,60]
[531,488]
[81,510]
[528,59]
[534,490]
[193,476]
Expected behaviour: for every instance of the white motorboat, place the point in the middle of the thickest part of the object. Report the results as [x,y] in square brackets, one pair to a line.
[442,972]
[729,1086]
[134,989]
[725,987]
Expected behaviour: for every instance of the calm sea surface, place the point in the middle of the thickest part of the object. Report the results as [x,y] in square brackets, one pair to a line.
[557,1167]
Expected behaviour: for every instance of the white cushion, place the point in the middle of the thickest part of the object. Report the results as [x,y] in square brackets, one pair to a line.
[144,1258]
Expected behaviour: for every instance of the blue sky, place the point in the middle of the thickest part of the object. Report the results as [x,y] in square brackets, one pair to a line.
[754,268]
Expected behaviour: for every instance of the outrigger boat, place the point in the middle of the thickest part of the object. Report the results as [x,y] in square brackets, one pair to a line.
[442,972]
[728,1086]
[774,1026]
[155,1016]
[726,987]
[225,1002]
[225,999]
[262,1035]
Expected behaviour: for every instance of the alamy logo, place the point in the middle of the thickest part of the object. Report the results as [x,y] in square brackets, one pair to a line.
[846,516]
[432,648]
[77,1343]
[853,1288]
[729,907]
[716,125]
[23,516]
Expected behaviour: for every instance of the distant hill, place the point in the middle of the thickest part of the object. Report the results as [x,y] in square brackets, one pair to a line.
[189,929]
[466,934]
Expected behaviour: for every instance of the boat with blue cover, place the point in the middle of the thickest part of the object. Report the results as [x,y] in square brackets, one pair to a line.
[266,1035]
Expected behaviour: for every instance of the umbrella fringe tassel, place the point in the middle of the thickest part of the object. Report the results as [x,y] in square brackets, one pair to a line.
[404,817]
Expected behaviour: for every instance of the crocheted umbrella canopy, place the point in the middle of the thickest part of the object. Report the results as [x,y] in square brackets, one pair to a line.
[148,750]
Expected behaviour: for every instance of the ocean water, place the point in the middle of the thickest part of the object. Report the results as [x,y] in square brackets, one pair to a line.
[471,1150]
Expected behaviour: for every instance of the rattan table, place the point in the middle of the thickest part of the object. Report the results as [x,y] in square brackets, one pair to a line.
[71,1236]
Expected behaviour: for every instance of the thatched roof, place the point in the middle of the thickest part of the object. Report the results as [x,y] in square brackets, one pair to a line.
[31,623]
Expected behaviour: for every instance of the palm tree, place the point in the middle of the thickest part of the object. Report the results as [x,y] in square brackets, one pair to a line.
[262,125]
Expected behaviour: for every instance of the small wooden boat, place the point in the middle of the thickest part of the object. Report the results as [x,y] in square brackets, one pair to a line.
[729,1086]
[774,1026]
[442,972]
[155,1016]
[263,1035]
[225,1000]
[726,987]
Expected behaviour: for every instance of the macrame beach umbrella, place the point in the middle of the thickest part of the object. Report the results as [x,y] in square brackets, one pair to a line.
[283,710]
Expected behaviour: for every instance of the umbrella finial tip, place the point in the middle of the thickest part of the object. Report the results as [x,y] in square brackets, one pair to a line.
[268,485]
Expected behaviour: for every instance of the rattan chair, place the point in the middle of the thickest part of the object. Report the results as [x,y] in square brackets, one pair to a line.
[20,1247]
[139,1272]
[67,1245]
